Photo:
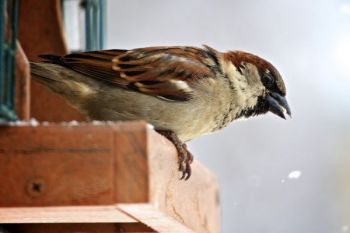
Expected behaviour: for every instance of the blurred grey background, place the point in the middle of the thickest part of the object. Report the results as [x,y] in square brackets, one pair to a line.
[276,176]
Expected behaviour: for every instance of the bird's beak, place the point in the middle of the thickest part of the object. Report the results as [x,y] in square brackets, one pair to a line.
[278,104]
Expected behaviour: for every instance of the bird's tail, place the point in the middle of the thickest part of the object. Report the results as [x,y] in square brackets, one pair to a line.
[60,80]
[45,73]
[42,72]
[48,58]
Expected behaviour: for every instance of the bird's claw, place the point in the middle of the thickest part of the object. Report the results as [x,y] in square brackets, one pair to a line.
[185,158]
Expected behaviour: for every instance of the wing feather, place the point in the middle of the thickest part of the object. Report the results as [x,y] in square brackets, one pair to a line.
[165,72]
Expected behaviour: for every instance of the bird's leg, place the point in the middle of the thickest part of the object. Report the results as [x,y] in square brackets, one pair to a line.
[185,158]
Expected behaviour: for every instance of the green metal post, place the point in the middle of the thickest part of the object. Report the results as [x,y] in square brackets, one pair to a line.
[95,21]
[7,59]
[2,32]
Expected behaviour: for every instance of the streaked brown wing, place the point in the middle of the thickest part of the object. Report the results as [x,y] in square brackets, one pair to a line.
[166,72]
[96,64]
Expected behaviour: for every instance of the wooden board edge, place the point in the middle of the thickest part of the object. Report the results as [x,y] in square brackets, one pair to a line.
[155,219]
[64,214]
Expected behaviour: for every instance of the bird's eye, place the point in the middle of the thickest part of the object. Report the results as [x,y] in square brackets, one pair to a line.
[268,80]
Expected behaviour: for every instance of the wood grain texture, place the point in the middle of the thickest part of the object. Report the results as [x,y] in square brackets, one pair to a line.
[151,216]
[119,163]
[195,202]
[22,84]
[80,228]
[68,214]
[70,219]
[56,165]
[130,141]
[41,32]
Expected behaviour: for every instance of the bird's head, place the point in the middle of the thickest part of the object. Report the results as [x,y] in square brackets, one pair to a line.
[262,82]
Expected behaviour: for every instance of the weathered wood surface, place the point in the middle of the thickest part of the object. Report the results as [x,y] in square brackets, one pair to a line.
[80,228]
[195,202]
[22,84]
[56,165]
[41,32]
[121,163]
[67,214]
[70,219]
[157,220]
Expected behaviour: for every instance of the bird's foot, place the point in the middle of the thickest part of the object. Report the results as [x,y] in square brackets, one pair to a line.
[185,157]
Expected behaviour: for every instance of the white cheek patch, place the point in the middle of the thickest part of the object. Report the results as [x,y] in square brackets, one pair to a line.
[247,85]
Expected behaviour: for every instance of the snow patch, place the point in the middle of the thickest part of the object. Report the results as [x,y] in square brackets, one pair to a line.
[294,175]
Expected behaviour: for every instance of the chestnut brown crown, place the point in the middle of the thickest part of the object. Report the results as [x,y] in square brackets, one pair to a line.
[274,100]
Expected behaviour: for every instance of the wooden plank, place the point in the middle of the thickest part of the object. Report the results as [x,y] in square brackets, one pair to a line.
[68,214]
[195,202]
[101,165]
[154,218]
[60,164]
[41,32]
[56,165]
[22,84]
[131,165]
[80,228]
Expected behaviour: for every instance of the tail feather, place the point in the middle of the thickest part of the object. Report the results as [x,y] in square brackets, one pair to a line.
[51,58]
[65,82]
[41,72]
[57,80]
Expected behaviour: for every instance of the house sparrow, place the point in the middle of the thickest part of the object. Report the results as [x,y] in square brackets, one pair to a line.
[185,92]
